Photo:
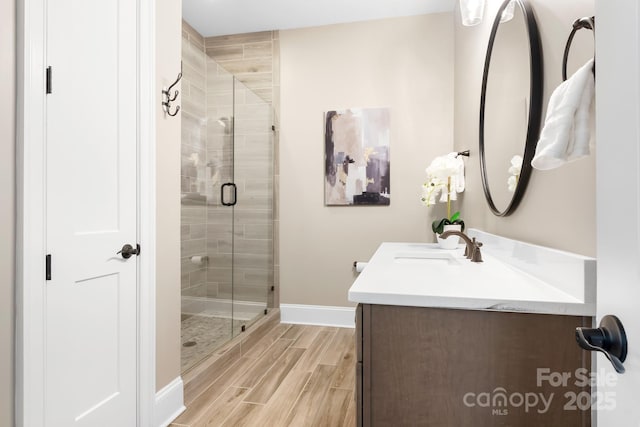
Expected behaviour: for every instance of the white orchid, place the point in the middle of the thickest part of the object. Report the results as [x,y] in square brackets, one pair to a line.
[516,165]
[445,177]
[431,189]
[514,170]
[443,167]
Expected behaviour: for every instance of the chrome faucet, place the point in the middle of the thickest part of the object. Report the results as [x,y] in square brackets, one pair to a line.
[472,250]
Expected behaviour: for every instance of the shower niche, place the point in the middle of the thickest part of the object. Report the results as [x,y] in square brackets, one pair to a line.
[227,262]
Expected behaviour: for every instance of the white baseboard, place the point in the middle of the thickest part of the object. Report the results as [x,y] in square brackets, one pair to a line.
[169,403]
[321,315]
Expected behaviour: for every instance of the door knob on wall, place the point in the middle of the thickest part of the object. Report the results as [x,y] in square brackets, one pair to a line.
[609,339]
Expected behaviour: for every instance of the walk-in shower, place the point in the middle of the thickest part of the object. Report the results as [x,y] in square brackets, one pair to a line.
[227,205]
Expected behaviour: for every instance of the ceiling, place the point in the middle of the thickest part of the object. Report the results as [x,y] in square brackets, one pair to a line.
[223,17]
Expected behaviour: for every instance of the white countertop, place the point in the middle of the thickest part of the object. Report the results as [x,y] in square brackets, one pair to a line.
[514,276]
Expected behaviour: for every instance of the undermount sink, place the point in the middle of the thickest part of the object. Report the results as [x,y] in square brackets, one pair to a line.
[435,257]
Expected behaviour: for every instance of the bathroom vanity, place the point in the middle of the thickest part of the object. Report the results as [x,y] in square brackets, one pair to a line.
[442,341]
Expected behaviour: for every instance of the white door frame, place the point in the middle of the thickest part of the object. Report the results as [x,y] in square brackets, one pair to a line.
[618,155]
[31,215]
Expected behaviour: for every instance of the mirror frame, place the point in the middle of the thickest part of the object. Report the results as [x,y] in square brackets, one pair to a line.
[535,106]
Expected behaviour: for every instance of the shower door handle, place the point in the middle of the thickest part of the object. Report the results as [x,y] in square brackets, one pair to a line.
[235,194]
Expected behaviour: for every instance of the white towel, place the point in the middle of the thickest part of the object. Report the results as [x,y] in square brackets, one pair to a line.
[458,178]
[566,132]
[471,12]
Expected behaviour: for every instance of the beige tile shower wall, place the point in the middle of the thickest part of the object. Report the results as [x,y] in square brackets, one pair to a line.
[7,212]
[254,60]
[219,219]
[250,57]
[193,159]
[405,64]
[253,175]
[559,206]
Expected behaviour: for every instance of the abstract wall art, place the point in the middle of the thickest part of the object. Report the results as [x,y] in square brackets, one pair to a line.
[357,166]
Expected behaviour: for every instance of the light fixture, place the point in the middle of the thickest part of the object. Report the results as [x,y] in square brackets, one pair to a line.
[471,12]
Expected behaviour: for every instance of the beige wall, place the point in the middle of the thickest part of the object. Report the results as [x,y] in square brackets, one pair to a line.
[168,33]
[405,64]
[559,206]
[7,210]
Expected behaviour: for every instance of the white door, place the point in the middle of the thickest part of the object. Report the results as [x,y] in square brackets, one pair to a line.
[618,198]
[91,145]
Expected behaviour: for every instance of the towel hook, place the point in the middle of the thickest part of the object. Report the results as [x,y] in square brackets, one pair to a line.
[169,98]
[586,22]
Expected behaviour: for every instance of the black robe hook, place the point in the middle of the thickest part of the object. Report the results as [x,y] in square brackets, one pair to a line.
[169,98]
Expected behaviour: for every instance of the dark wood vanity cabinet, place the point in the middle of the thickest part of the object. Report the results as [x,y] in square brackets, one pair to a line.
[441,367]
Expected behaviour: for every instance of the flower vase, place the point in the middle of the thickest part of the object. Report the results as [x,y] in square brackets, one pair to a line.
[450,242]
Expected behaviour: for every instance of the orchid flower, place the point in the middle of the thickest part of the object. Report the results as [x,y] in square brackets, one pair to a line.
[445,179]
[514,170]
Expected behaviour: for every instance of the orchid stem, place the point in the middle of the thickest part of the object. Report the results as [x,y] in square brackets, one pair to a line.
[449,197]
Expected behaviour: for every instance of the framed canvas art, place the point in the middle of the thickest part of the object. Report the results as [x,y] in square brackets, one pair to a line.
[357,166]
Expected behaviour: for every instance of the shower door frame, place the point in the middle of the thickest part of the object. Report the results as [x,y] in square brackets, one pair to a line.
[31,215]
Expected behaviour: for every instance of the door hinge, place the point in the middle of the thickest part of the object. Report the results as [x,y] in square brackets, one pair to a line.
[49,77]
[48,267]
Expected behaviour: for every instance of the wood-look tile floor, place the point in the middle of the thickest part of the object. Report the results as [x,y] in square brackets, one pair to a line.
[294,376]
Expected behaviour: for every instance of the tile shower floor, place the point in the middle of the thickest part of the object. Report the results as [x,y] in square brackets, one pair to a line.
[208,333]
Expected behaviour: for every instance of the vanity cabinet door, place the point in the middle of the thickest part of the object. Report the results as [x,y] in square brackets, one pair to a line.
[359,333]
[358,366]
[363,312]
[442,367]
[359,421]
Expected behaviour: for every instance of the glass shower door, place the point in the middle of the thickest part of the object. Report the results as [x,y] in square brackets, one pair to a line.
[253,212]
[206,224]
[220,167]
[227,208]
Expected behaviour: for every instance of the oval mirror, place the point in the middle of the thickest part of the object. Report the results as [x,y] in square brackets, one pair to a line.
[510,106]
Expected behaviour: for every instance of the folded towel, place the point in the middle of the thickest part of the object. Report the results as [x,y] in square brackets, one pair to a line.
[566,132]
[455,165]
[471,12]
[458,178]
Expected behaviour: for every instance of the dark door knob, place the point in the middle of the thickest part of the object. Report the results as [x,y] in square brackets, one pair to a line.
[128,251]
[609,339]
